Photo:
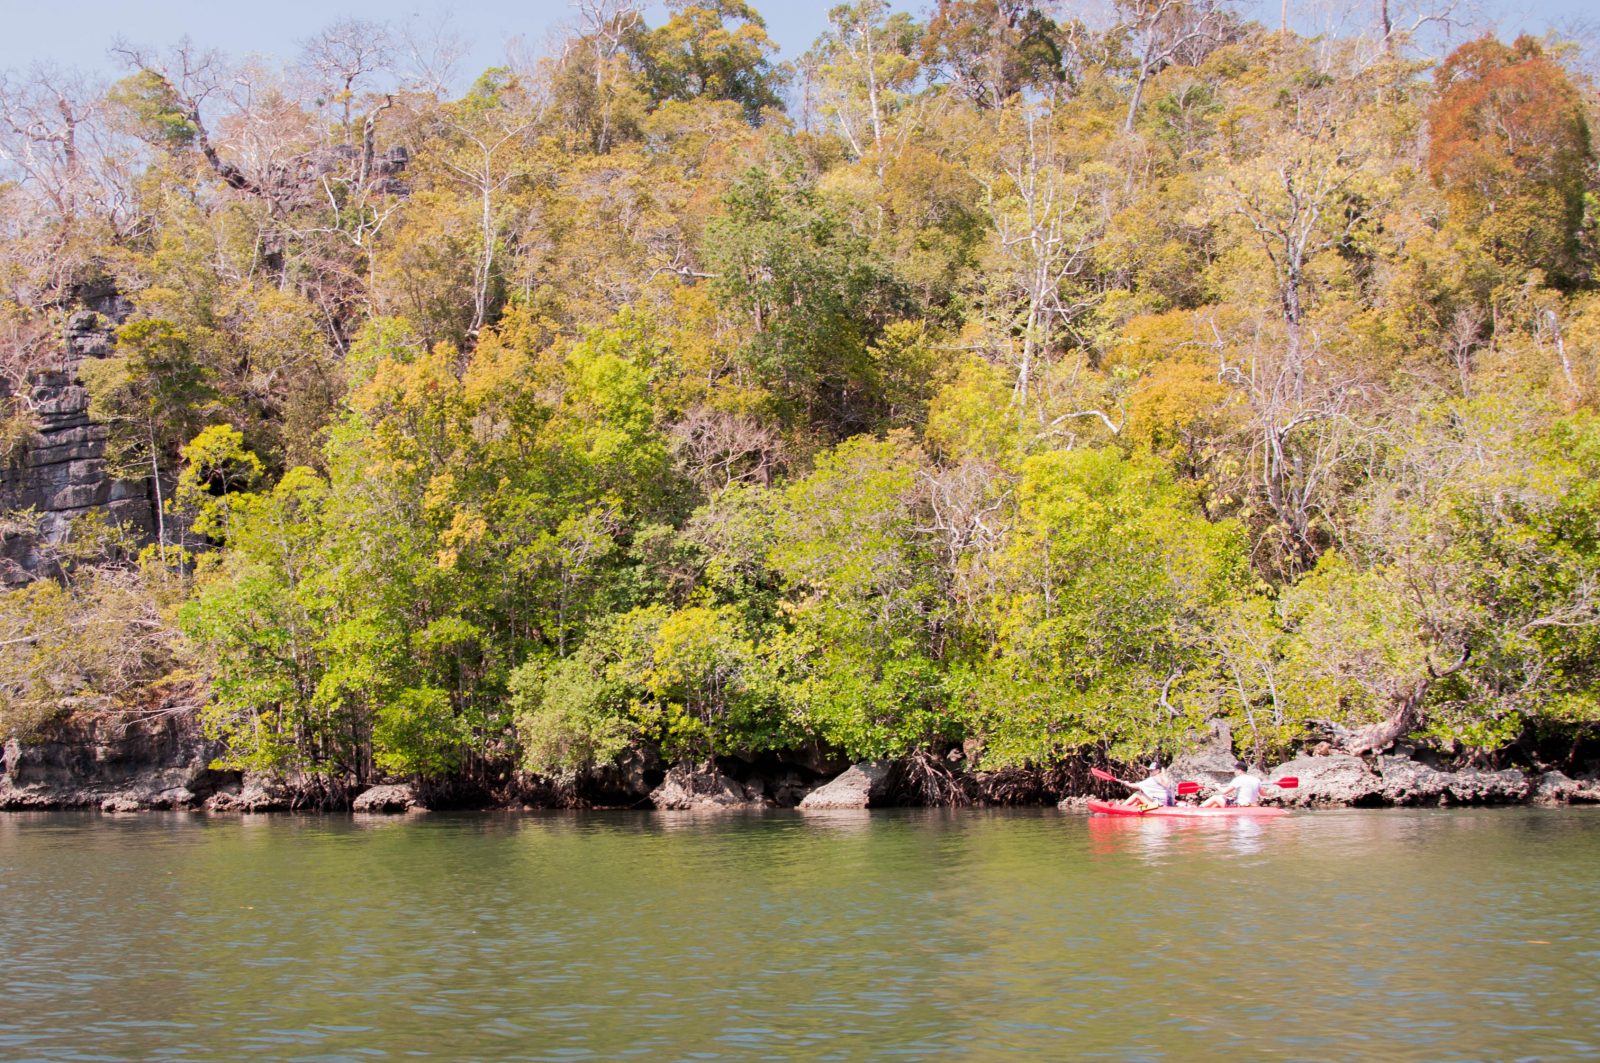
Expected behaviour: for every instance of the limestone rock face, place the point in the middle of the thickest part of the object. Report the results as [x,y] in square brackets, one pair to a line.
[623,783]
[1407,782]
[1558,788]
[1341,780]
[687,787]
[1211,762]
[1555,788]
[61,472]
[1332,781]
[153,797]
[257,792]
[779,785]
[1473,787]
[389,799]
[116,765]
[859,786]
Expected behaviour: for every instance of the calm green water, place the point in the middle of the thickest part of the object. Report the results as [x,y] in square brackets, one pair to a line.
[895,935]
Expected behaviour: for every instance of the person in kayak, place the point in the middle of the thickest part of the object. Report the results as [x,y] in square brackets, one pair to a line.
[1156,791]
[1243,791]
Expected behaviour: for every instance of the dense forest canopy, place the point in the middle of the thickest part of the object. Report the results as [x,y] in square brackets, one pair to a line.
[987,380]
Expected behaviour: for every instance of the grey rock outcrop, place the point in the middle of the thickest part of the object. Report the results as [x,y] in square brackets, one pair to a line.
[1332,781]
[688,788]
[1339,780]
[859,786]
[1408,782]
[1555,788]
[153,796]
[1471,786]
[116,765]
[1558,788]
[256,792]
[1212,762]
[389,799]
[784,788]
[625,782]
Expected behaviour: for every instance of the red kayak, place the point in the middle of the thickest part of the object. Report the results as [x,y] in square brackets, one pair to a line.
[1111,808]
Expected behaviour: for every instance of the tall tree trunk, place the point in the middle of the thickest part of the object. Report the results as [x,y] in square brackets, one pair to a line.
[480,308]
[155,478]
[1138,91]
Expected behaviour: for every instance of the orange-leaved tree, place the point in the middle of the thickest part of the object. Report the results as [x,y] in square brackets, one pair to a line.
[1511,147]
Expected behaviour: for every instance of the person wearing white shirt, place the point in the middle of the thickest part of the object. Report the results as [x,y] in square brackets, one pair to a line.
[1244,790]
[1155,792]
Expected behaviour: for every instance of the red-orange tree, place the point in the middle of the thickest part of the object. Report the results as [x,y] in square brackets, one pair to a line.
[1511,147]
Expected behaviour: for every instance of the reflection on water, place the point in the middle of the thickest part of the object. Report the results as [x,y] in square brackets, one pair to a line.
[914,935]
[1154,838]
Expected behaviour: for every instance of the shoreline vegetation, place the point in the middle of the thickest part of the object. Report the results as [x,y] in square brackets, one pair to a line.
[984,396]
[170,766]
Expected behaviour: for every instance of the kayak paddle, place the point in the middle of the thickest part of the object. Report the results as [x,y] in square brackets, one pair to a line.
[1288,782]
[1108,777]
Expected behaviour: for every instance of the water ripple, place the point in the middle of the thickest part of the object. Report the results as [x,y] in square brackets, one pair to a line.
[901,935]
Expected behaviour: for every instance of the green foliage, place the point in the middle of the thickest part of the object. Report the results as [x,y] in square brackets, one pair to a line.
[415,731]
[1471,606]
[216,465]
[691,682]
[261,618]
[153,110]
[100,641]
[1037,388]
[1101,606]
[864,599]
[812,291]
[962,421]
[570,715]
[712,49]
[155,393]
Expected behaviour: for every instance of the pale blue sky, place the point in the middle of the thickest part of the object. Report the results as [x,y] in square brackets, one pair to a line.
[77,33]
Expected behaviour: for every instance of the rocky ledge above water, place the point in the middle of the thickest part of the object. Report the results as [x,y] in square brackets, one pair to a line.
[161,761]
[113,764]
[1339,780]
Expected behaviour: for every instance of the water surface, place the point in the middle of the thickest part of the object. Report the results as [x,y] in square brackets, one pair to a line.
[889,935]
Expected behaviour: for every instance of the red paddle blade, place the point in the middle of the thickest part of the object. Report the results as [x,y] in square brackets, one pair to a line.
[1288,782]
[1106,775]
[1186,788]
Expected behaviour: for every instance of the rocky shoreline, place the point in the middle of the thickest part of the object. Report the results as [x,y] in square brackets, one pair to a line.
[1339,780]
[162,763]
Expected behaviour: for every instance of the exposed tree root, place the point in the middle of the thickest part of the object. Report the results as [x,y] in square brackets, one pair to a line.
[924,778]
